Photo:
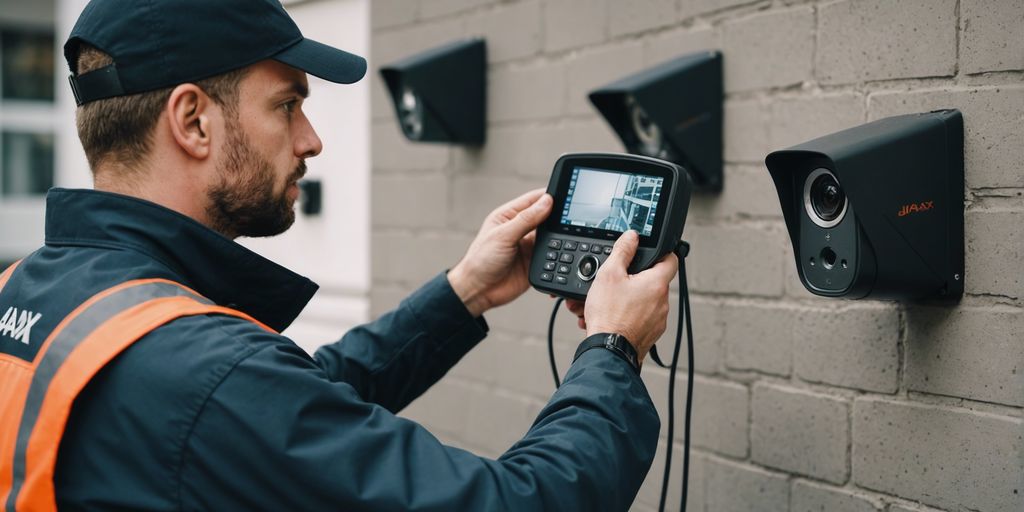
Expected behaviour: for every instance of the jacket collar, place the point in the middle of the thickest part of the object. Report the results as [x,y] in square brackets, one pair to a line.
[216,267]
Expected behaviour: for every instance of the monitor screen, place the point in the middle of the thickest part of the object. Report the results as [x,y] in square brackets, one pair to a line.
[610,200]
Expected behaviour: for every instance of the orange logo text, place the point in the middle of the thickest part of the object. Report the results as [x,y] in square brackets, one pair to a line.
[907,209]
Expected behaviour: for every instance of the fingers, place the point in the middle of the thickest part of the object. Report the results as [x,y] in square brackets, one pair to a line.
[528,219]
[665,269]
[623,251]
[575,307]
[509,210]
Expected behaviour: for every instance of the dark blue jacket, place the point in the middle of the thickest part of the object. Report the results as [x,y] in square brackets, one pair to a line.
[214,413]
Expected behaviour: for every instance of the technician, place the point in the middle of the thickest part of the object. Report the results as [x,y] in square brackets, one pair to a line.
[139,357]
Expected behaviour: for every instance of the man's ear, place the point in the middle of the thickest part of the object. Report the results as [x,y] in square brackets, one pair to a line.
[188,112]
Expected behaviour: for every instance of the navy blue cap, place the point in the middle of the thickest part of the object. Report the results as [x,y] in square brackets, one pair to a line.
[162,43]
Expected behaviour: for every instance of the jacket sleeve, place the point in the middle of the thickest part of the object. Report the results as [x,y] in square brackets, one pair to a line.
[276,434]
[394,359]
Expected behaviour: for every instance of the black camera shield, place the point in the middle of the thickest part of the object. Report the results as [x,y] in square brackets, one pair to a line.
[440,95]
[899,231]
[672,111]
[613,193]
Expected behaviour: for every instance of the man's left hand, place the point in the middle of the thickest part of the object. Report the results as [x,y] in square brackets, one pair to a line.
[495,269]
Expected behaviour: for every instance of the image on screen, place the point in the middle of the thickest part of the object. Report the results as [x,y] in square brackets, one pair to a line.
[612,200]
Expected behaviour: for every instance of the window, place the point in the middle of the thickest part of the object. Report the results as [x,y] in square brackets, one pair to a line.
[27,110]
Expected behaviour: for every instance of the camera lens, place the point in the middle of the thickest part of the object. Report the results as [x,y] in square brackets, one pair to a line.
[411,114]
[648,133]
[824,198]
[827,197]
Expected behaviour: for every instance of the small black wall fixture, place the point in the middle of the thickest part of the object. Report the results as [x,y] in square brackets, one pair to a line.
[877,211]
[311,199]
[672,111]
[440,94]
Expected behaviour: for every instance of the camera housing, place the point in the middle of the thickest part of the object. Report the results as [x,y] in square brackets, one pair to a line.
[877,211]
[672,112]
[598,196]
[440,95]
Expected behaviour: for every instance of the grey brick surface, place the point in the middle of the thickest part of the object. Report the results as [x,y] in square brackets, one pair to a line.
[707,334]
[650,492]
[813,497]
[772,49]
[948,458]
[676,43]
[392,45]
[433,254]
[475,197]
[749,192]
[391,151]
[758,337]
[530,150]
[523,93]
[800,432]
[690,8]
[853,347]
[512,31]
[992,134]
[795,120]
[992,35]
[733,487]
[436,8]
[736,259]
[574,23]
[589,70]
[967,352]
[387,13]
[630,17]
[790,409]
[720,419]
[994,253]
[498,419]
[412,201]
[861,40]
[746,131]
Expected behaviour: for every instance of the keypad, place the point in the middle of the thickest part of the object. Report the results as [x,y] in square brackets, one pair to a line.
[563,269]
[549,266]
[552,255]
[565,265]
[596,249]
[569,245]
[561,280]
[554,244]
[566,258]
[584,247]
[545,276]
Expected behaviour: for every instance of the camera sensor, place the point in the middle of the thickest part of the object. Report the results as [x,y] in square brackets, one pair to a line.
[824,198]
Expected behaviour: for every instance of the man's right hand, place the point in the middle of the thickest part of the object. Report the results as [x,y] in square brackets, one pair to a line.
[635,306]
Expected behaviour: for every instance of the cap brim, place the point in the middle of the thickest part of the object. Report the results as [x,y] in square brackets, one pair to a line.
[323,61]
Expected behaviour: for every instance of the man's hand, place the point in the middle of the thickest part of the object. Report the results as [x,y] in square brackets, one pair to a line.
[635,306]
[495,269]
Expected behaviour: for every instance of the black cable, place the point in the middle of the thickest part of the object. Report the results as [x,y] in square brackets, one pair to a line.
[682,250]
[551,342]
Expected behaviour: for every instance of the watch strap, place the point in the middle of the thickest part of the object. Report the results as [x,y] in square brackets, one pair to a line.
[616,343]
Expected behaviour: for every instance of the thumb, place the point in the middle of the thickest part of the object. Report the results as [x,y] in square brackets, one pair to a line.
[623,251]
[528,219]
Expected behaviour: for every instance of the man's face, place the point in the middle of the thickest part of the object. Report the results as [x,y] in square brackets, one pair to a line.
[263,156]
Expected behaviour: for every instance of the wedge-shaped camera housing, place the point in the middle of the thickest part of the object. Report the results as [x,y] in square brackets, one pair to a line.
[672,112]
[877,211]
[440,95]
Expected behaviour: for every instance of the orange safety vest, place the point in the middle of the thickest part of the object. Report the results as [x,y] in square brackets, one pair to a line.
[36,397]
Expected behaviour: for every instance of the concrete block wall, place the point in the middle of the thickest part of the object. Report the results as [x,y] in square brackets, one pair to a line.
[801,403]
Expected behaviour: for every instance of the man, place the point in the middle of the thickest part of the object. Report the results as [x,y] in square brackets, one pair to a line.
[146,372]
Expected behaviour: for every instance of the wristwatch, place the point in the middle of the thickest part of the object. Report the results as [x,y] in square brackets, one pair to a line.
[617,343]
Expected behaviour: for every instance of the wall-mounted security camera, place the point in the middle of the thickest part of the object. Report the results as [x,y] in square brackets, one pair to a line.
[440,94]
[877,210]
[673,112]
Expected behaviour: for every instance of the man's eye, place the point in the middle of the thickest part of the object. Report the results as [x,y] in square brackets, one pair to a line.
[289,107]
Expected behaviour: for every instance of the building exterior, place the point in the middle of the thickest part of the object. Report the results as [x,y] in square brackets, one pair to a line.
[801,403]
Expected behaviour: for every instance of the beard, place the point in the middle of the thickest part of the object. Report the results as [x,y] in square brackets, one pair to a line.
[243,202]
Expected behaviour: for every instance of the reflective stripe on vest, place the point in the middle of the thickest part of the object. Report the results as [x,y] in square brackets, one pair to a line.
[36,397]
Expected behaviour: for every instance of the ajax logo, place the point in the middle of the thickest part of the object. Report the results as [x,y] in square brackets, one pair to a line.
[18,324]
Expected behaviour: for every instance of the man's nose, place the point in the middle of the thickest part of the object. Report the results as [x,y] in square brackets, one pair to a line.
[307,144]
